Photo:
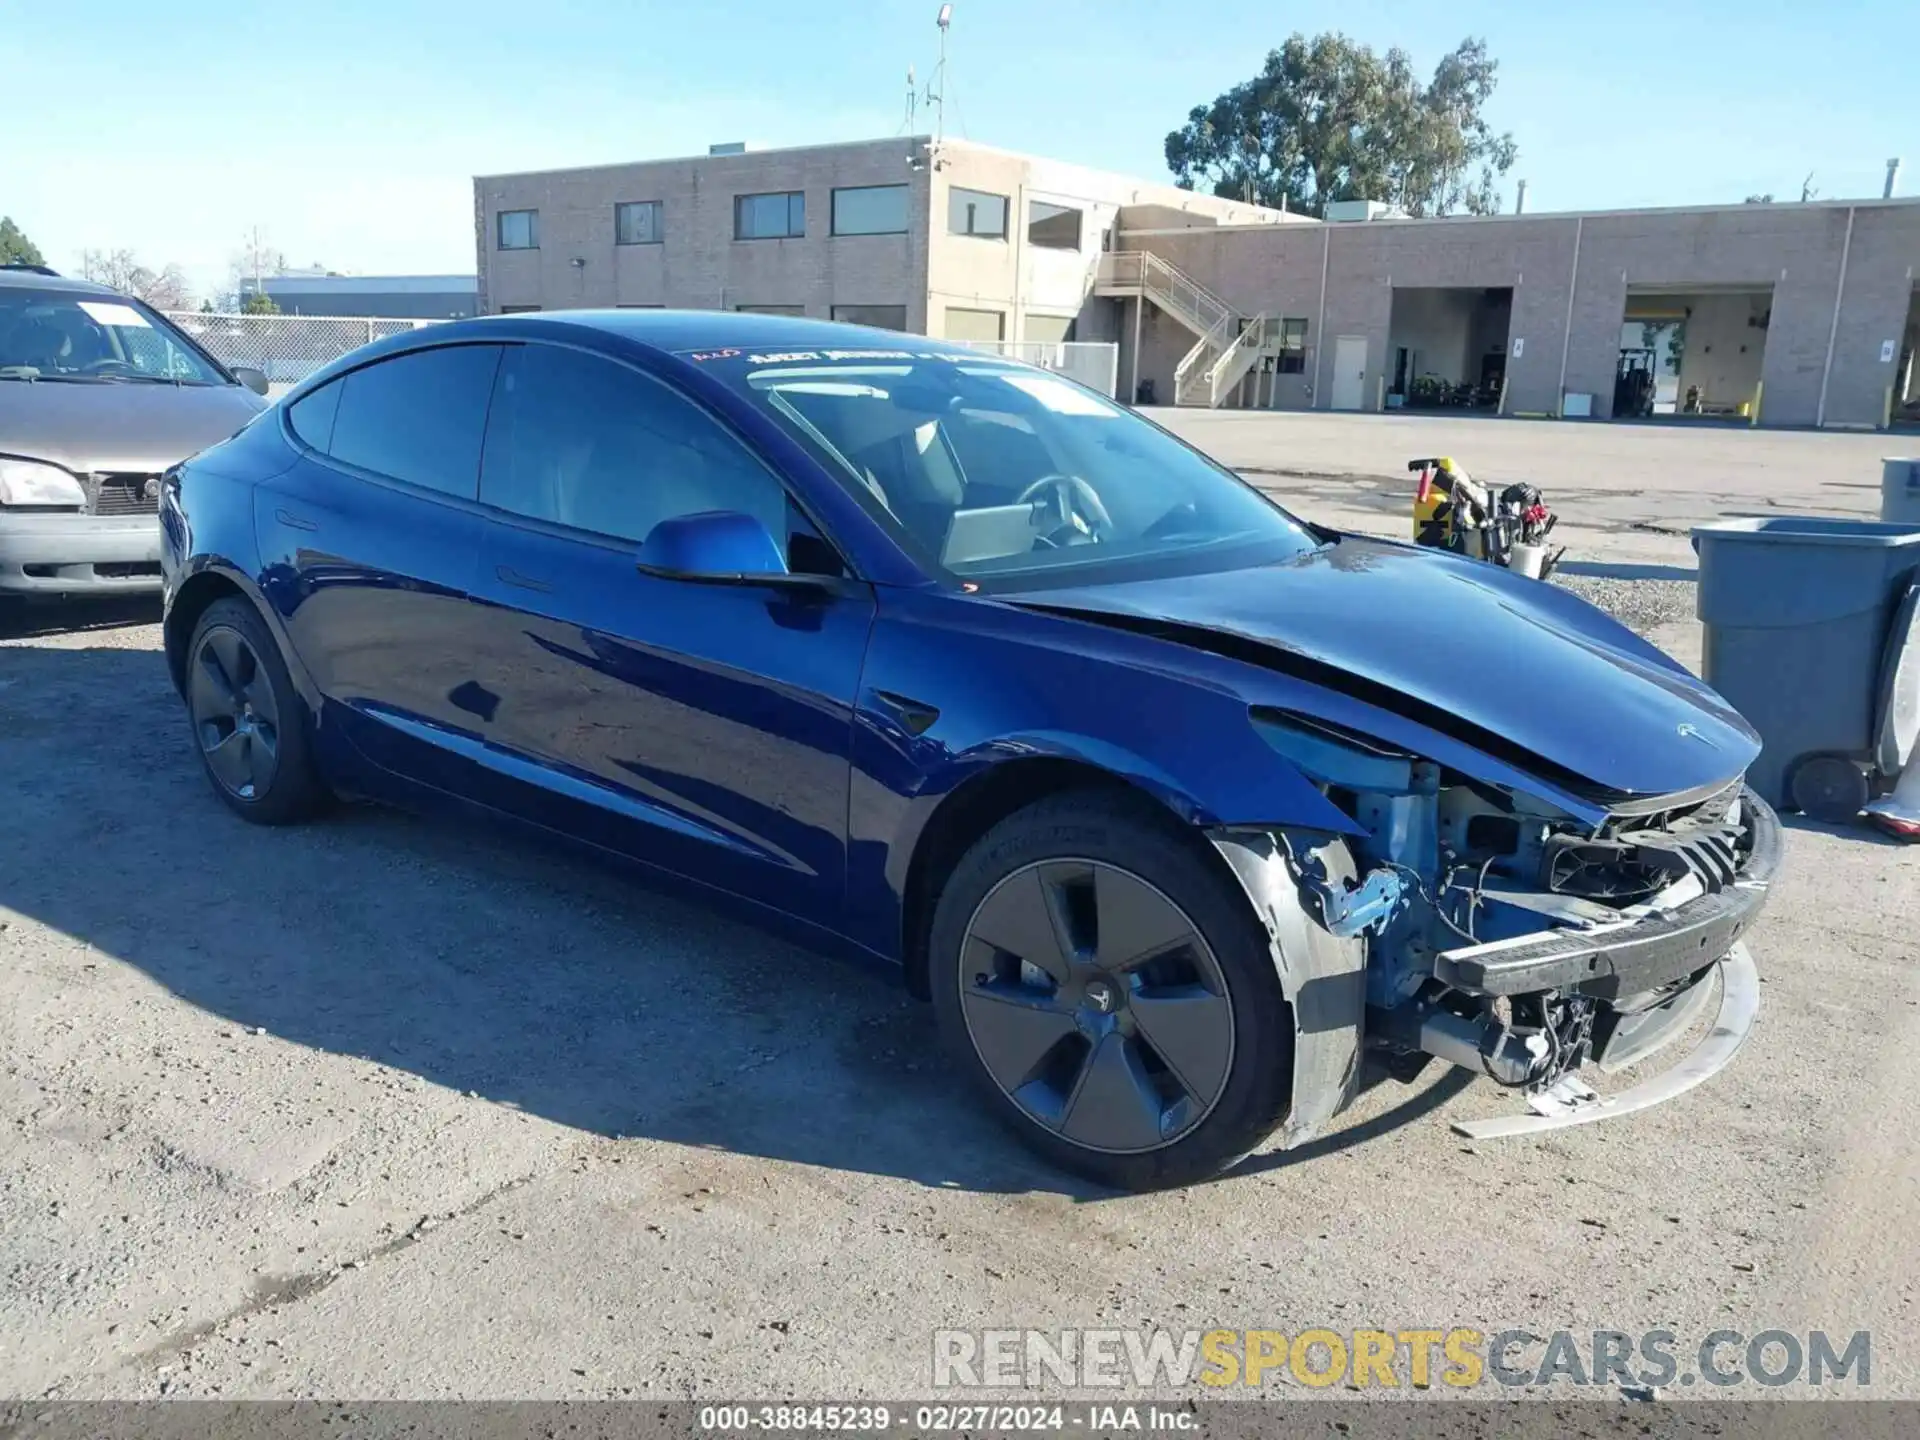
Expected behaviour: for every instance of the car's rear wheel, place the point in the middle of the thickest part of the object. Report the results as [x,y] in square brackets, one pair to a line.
[1112,993]
[247,719]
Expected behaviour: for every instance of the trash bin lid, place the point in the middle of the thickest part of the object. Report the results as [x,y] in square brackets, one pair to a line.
[1819,530]
[1900,687]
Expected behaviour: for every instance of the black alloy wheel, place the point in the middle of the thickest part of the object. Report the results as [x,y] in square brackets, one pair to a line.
[235,716]
[249,723]
[1096,1005]
[1104,981]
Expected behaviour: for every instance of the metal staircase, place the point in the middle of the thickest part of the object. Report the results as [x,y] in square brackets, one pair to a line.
[1229,345]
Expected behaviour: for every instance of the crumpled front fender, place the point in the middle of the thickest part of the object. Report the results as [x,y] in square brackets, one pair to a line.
[1322,975]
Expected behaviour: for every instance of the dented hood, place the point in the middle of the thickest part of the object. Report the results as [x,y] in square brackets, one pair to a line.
[1459,645]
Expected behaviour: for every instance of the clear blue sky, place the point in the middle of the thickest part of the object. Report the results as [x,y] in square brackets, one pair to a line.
[348,130]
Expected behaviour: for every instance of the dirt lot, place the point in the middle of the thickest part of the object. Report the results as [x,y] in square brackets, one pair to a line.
[380,1107]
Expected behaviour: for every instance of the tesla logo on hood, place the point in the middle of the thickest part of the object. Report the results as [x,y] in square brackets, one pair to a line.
[1692,732]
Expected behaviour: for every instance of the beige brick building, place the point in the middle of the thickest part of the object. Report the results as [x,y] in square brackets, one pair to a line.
[949,238]
[1782,314]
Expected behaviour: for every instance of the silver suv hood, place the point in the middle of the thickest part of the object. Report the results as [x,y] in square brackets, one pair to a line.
[124,426]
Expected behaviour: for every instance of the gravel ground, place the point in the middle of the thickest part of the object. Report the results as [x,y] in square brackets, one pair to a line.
[385,1108]
[1642,605]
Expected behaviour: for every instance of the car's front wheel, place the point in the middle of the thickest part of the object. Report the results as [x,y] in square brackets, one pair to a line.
[247,719]
[1112,993]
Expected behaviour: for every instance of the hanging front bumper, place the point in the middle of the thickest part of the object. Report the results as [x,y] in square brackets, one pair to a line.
[1570,1102]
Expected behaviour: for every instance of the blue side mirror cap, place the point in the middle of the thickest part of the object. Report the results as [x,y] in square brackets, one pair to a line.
[715,547]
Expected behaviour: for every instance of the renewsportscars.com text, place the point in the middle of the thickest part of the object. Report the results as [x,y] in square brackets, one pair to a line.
[1457,1357]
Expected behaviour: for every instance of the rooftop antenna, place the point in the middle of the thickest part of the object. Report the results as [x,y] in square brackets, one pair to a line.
[1893,178]
[935,91]
[913,99]
[1807,192]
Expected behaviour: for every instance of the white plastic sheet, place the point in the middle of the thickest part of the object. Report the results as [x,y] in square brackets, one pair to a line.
[1899,813]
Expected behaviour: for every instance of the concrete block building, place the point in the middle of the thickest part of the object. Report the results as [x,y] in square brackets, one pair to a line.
[1780,314]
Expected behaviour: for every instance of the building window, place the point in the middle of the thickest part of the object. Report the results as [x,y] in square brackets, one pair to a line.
[1052,227]
[880,317]
[1292,359]
[771,309]
[781,216]
[976,213]
[518,309]
[870,210]
[963,324]
[517,229]
[637,222]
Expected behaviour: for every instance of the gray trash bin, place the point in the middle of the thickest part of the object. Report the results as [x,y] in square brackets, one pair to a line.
[1796,610]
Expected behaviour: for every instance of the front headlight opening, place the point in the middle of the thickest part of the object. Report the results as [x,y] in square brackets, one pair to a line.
[36,483]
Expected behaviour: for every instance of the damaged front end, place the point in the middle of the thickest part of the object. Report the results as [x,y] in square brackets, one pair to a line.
[1492,929]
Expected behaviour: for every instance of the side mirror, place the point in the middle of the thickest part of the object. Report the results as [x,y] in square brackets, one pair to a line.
[718,547]
[254,380]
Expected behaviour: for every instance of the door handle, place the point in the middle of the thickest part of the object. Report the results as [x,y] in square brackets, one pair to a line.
[293,521]
[525,582]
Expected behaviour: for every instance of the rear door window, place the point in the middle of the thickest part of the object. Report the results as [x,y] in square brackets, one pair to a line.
[419,417]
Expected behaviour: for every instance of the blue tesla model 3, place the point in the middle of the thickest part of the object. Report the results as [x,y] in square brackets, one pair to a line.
[1176,807]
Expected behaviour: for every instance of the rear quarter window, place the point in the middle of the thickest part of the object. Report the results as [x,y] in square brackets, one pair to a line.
[311,416]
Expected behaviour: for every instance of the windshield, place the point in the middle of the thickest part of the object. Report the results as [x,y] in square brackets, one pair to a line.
[79,337]
[986,469]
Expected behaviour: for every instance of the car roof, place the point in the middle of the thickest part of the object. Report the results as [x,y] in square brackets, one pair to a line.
[27,278]
[675,330]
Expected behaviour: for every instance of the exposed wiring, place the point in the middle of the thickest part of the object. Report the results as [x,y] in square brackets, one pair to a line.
[1421,889]
[1475,900]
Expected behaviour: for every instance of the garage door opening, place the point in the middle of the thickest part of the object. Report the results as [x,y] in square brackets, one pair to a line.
[1692,355]
[1905,407]
[1447,348]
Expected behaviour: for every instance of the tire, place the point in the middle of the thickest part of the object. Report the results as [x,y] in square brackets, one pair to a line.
[1830,788]
[248,723]
[1144,1023]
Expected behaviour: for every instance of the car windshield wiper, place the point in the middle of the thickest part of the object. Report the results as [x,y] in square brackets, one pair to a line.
[34,377]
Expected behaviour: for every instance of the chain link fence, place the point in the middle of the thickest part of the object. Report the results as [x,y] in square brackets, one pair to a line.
[1094,363]
[287,348]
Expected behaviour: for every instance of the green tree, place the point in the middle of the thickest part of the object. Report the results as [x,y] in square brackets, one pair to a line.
[1328,119]
[1675,334]
[258,302]
[15,247]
